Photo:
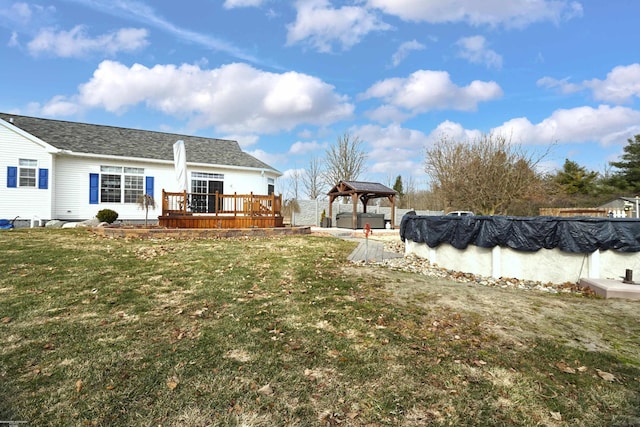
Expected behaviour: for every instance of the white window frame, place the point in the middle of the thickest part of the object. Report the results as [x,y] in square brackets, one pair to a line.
[128,181]
[200,180]
[27,173]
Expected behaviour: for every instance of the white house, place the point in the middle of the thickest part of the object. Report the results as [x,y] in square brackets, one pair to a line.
[69,171]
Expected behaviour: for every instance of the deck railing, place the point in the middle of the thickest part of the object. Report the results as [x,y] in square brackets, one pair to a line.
[252,205]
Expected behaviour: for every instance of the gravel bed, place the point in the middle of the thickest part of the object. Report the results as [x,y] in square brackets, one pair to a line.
[413,264]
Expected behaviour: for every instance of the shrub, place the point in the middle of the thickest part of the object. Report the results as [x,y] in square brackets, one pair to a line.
[107,215]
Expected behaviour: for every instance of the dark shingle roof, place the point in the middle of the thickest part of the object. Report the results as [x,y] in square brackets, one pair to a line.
[115,141]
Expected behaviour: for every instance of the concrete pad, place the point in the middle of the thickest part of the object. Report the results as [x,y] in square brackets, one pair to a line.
[609,288]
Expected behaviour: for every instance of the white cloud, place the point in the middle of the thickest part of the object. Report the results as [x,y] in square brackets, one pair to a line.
[562,85]
[18,12]
[512,13]
[230,4]
[394,150]
[60,106]
[142,12]
[454,131]
[243,140]
[404,50]
[427,90]
[299,148]
[76,42]
[475,50]
[13,41]
[320,25]
[387,114]
[604,124]
[621,85]
[23,14]
[21,18]
[293,174]
[269,158]
[235,98]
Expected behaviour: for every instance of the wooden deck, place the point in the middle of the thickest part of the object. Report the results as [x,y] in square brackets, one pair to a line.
[213,210]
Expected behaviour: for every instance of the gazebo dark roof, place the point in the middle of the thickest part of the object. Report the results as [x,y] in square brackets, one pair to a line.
[364,191]
[346,188]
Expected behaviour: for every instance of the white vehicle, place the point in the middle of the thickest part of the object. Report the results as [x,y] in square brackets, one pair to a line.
[460,213]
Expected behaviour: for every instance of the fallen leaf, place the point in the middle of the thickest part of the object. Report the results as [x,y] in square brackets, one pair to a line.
[606,375]
[49,346]
[110,387]
[266,390]
[79,386]
[565,368]
[172,384]
[556,416]
[6,319]
[333,353]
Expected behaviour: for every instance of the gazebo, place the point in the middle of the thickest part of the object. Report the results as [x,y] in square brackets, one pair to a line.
[364,191]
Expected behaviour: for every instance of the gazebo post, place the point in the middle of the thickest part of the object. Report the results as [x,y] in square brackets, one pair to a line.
[392,199]
[354,202]
[331,199]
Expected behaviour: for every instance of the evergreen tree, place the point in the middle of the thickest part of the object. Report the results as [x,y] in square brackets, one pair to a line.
[575,179]
[397,187]
[628,176]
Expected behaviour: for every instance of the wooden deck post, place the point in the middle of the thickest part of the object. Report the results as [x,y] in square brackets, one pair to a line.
[273,205]
[184,202]
[165,201]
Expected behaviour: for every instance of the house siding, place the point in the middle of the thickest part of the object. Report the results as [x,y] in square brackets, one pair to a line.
[27,203]
[73,193]
[65,164]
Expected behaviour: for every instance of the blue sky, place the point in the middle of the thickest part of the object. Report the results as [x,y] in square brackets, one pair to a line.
[286,78]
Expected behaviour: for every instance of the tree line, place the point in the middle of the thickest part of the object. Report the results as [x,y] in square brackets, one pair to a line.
[490,175]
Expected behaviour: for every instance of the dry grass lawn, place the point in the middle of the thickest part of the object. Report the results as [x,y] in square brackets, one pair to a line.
[286,332]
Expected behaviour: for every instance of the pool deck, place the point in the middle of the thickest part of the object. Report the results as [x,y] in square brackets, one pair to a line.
[369,249]
[609,288]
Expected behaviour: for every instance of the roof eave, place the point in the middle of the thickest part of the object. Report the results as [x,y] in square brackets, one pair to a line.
[164,162]
[48,147]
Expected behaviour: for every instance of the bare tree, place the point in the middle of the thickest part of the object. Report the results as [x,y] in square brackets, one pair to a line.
[409,192]
[344,160]
[486,175]
[291,188]
[312,179]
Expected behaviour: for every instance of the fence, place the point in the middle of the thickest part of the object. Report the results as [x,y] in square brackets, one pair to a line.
[595,212]
[311,210]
